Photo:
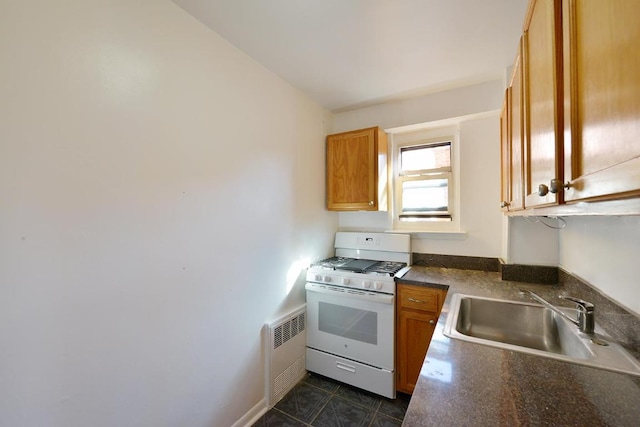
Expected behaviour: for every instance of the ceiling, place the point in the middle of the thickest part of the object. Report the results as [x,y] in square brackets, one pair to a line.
[347,54]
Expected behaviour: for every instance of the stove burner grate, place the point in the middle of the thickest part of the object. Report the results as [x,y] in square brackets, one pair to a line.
[333,263]
[386,267]
[363,266]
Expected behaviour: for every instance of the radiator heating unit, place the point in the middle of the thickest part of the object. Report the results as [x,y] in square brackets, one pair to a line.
[285,354]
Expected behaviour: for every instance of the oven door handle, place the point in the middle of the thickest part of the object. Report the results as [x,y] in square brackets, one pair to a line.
[350,293]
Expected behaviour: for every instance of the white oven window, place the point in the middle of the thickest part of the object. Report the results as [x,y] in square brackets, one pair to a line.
[348,322]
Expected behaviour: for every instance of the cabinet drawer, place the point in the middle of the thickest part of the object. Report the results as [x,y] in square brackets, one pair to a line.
[419,298]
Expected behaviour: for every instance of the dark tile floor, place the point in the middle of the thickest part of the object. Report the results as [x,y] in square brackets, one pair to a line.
[319,401]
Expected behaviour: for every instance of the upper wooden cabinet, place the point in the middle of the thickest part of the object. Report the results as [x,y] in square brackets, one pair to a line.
[512,143]
[517,135]
[542,88]
[505,163]
[580,106]
[601,99]
[357,170]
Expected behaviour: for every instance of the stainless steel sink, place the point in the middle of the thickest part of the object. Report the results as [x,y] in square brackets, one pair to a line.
[534,329]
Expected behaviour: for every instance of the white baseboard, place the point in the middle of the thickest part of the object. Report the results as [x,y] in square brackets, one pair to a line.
[253,415]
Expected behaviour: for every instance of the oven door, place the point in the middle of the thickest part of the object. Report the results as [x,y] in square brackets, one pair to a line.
[358,325]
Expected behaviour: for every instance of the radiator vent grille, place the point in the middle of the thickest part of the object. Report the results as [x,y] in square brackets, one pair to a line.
[288,330]
[285,354]
[283,382]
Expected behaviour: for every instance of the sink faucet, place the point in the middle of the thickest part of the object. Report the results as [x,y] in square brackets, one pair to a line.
[586,316]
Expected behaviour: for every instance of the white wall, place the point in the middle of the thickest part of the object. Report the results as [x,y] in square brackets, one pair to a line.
[604,251]
[156,186]
[533,241]
[458,102]
[480,214]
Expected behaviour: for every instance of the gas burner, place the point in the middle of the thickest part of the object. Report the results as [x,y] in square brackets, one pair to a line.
[333,263]
[386,267]
[358,265]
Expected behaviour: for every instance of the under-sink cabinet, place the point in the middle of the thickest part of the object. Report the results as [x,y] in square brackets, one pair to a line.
[417,312]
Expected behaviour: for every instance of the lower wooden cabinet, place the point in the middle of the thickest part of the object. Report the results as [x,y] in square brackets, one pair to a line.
[417,311]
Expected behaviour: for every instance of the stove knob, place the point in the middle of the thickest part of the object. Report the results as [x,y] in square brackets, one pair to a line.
[345,280]
[366,284]
[318,278]
[327,278]
[378,285]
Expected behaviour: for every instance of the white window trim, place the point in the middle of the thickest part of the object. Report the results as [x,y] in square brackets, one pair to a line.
[424,135]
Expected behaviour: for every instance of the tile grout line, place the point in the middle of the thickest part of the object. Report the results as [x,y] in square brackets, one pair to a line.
[321,409]
[374,410]
[373,417]
[333,394]
[291,416]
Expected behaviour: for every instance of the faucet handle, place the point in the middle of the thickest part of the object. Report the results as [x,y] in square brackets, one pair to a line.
[586,321]
[582,305]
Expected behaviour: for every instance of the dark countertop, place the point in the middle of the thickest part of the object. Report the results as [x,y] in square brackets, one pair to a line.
[468,384]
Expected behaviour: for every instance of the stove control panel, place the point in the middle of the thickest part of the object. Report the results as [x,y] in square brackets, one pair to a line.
[364,240]
[384,284]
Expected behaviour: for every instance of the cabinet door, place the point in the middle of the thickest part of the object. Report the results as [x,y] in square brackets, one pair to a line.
[505,161]
[415,329]
[418,309]
[543,141]
[516,119]
[355,162]
[602,99]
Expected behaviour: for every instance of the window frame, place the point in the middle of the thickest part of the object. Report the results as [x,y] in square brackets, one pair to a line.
[420,137]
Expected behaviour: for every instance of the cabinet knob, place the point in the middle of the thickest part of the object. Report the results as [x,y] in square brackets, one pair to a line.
[555,185]
[370,202]
[432,322]
[543,190]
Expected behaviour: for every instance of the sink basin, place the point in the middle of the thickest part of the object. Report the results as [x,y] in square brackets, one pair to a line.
[534,329]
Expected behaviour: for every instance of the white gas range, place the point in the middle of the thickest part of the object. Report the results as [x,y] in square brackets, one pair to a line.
[351,310]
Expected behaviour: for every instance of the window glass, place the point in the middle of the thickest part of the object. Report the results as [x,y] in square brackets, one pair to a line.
[426,196]
[425,157]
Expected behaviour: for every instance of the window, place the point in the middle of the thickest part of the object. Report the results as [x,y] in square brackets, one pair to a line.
[425,195]
[424,176]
